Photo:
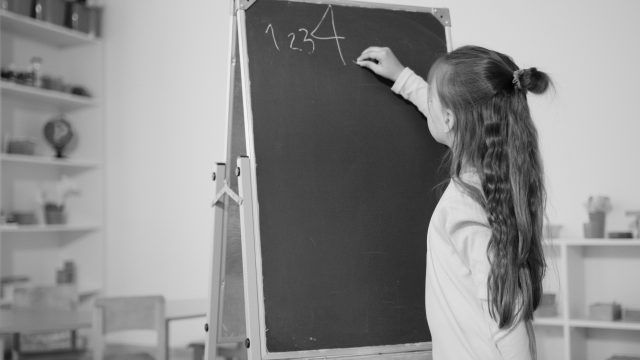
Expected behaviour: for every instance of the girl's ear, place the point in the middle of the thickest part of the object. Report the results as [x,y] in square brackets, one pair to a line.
[449,120]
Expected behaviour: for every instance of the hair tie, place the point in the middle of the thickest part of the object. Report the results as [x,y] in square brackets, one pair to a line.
[516,78]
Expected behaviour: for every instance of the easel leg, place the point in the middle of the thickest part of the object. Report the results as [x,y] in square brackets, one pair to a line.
[251,299]
[217,268]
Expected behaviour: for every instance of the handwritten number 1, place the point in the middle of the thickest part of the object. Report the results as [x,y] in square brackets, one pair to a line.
[272,35]
[313,34]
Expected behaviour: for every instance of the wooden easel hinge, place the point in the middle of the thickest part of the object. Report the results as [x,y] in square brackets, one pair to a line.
[442,14]
[244,4]
[226,190]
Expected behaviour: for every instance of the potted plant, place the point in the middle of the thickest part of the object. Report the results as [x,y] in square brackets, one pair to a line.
[53,197]
[597,207]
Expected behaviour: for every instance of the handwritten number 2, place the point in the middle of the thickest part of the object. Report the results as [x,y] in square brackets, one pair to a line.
[313,34]
[293,38]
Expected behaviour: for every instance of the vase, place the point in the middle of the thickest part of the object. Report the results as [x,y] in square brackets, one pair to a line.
[596,225]
[54,214]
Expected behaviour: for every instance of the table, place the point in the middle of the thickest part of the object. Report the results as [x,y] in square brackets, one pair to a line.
[24,321]
[183,309]
[42,320]
[18,321]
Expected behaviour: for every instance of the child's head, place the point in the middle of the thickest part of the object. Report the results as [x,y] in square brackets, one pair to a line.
[478,104]
[473,85]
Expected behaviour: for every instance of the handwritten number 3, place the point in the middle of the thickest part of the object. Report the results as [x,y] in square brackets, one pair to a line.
[313,34]
[306,39]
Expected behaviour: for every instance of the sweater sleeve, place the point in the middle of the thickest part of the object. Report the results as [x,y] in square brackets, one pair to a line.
[413,88]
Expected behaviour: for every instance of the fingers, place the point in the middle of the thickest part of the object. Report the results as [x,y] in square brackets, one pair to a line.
[369,65]
[376,53]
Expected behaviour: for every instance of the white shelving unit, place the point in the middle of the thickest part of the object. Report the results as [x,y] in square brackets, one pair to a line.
[583,272]
[44,160]
[38,250]
[43,32]
[29,94]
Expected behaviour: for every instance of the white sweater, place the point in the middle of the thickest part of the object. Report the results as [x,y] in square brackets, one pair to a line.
[458,267]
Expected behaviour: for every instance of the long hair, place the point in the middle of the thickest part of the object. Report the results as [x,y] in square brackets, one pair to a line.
[494,134]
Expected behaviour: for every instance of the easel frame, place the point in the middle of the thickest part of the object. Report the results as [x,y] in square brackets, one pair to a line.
[249,213]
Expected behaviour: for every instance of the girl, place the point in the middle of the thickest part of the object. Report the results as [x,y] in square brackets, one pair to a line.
[484,255]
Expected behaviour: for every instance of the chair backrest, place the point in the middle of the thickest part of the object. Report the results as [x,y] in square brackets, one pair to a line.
[117,314]
[61,297]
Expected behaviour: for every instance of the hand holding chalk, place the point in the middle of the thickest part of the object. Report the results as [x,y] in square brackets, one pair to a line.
[381,61]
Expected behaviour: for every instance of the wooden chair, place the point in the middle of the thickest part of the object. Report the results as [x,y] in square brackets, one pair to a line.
[51,343]
[118,314]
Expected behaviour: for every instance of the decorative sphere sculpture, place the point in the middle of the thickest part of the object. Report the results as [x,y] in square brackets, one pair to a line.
[58,133]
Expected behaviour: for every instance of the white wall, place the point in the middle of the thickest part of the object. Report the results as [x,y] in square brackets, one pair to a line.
[165,79]
[166,95]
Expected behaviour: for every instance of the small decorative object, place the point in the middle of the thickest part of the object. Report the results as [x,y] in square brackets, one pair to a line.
[25,218]
[51,11]
[36,70]
[66,275]
[551,231]
[21,146]
[624,357]
[58,133]
[78,16]
[597,206]
[620,235]
[631,315]
[21,7]
[547,306]
[605,311]
[54,214]
[79,90]
[54,197]
[635,224]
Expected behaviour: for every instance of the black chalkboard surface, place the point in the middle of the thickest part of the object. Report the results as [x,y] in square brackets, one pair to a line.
[345,173]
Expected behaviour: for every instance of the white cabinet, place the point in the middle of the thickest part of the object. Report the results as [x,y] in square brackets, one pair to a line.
[37,250]
[583,272]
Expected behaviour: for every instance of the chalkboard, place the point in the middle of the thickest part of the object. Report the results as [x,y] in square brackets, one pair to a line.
[346,173]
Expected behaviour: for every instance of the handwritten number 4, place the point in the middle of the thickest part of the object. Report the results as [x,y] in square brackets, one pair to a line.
[313,35]
[335,33]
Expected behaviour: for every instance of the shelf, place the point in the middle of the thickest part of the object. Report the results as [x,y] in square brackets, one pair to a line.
[596,324]
[548,321]
[47,161]
[593,242]
[46,228]
[591,324]
[62,100]
[44,32]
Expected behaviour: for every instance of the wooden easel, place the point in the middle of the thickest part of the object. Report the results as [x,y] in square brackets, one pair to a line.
[245,199]
[254,339]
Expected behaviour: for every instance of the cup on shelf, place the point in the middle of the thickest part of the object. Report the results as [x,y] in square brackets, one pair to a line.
[54,214]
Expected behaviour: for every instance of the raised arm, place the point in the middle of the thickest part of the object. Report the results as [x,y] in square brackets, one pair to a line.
[410,86]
